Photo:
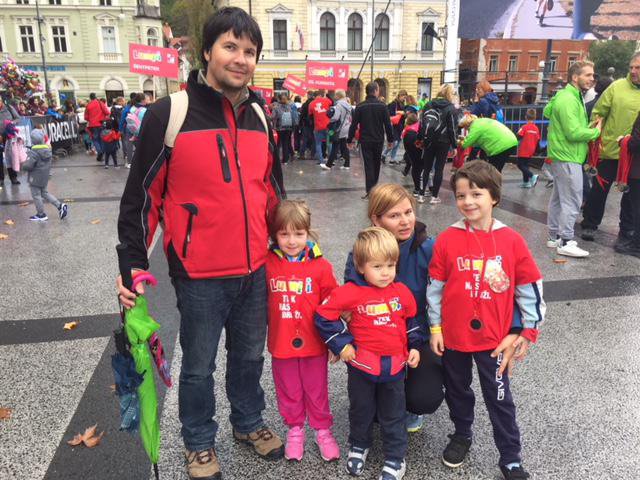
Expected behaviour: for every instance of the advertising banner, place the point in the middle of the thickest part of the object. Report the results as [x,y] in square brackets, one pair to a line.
[62,132]
[266,93]
[296,85]
[157,61]
[327,75]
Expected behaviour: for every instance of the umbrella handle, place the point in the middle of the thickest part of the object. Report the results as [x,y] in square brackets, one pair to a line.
[143,277]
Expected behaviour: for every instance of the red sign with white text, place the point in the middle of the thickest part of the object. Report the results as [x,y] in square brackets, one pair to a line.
[156,61]
[296,85]
[327,75]
[267,93]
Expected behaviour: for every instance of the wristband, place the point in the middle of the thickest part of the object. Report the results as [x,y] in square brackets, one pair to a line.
[436,329]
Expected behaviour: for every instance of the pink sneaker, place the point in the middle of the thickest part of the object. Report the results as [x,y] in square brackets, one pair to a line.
[328,446]
[294,448]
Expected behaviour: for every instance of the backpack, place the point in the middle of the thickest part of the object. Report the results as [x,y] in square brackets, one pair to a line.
[431,125]
[134,120]
[295,114]
[286,119]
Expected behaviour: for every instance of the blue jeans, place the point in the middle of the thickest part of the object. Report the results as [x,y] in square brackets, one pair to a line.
[319,137]
[95,138]
[239,305]
[393,149]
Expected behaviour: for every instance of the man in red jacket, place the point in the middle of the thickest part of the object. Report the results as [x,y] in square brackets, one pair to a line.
[318,111]
[94,113]
[212,192]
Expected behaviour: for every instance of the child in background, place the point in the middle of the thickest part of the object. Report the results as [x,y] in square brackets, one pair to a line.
[383,337]
[110,137]
[299,279]
[38,165]
[530,135]
[413,154]
[479,266]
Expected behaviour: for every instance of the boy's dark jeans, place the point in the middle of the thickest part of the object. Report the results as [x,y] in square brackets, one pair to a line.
[368,399]
[239,305]
[523,165]
[458,367]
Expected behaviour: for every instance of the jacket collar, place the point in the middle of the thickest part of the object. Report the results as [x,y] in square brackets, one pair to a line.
[198,81]
[311,251]
[460,224]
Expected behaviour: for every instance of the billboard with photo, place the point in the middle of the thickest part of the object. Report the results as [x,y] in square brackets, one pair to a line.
[550,19]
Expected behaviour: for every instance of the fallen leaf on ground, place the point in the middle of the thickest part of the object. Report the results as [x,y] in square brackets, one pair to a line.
[9,222]
[3,236]
[23,204]
[5,413]
[70,325]
[89,437]
[68,200]
[560,260]
[112,387]
[95,222]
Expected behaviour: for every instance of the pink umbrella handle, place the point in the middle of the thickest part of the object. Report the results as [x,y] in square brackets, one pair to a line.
[143,277]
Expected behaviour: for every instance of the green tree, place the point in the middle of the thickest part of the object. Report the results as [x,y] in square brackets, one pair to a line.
[612,53]
[189,16]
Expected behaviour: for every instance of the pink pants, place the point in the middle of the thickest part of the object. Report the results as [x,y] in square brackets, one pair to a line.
[302,390]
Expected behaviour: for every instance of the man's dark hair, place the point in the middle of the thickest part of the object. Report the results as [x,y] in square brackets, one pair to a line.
[226,19]
[132,96]
[602,84]
[480,174]
[371,88]
[297,99]
[92,96]
[139,98]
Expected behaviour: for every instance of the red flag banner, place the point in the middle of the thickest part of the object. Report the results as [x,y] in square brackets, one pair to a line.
[267,93]
[327,75]
[295,84]
[157,61]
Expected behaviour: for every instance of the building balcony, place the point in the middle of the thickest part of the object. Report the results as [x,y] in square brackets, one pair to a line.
[280,53]
[328,53]
[110,57]
[355,54]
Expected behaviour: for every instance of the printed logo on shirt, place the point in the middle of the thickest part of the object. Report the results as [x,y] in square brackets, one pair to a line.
[381,311]
[293,285]
[474,264]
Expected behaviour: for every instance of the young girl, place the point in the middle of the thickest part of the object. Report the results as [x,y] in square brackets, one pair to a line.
[299,279]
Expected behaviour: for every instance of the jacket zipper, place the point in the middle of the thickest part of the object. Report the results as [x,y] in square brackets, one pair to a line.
[193,211]
[242,194]
[224,159]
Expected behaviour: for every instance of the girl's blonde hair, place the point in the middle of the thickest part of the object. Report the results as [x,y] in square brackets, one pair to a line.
[340,94]
[466,121]
[447,92]
[384,196]
[291,213]
[375,244]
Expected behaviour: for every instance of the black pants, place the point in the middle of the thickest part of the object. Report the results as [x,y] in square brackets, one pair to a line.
[284,144]
[523,165]
[372,157]
[634,200]
[113,155]
[297,137]
[307,142]
[435,153]
[458,367]
[500,159]
[597,199]
[341,145]
[384,401]
[13,175]
[424,384]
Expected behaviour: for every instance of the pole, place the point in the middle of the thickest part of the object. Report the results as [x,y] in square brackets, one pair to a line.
[366,57]
[44,62]
[544,98]
[374,34]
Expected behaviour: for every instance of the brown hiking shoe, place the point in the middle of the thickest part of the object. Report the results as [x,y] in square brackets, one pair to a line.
[203,465]
[266,443]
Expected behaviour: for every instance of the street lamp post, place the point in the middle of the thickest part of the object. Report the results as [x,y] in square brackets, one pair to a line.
[544,98]
[44,62]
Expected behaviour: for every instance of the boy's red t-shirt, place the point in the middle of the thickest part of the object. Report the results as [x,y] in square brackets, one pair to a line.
[457,261]
[295,290]
[530,137]
[318,110]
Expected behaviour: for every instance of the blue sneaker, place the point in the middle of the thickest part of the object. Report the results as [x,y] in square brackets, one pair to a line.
[534,180]
[356,460]
[393,470]
[39,217]
[63,210]
[414,422]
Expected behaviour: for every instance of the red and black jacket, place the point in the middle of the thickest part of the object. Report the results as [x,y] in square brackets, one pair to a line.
[212,192]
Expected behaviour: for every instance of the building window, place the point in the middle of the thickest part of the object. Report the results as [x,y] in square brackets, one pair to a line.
[572,60]
[59,39]
[280,35]
[152,37]
[27,38]
[493,63]
[109,40]
[513,63]
[427,40]
[22,2]
[278,87]
[55,2]
[105,3]
[534,63]
[327,32]
[553,63]
[354,33]
[382,37]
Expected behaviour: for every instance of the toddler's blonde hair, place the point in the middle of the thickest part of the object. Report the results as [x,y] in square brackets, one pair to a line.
[375,244]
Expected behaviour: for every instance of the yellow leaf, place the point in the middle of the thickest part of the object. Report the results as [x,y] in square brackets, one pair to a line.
[95,222]
[560,260]
[9,222]
[70,325]
[89,438]
[3,236]
[5,413]
[68,200]
[23,204]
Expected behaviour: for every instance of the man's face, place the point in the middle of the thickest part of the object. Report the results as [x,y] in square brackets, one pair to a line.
[402,98]
[584,80]
[634,70]
[231,62]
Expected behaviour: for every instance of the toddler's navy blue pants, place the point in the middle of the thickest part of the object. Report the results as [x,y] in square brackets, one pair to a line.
[458,368]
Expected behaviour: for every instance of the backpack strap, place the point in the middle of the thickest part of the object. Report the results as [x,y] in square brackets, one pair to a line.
[178,112]
[260,112]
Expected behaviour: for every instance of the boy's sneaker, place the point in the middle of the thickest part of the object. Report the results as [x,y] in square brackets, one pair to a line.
[514,473]
[39,217]
[63,210]
[534,180]
[554,242]
[455,453]
[106,167]
[324,166]
[420,199]
[571,249]
[328,446]
[264,441]
[416,193]
[356,460]
[294,448]
[128,165]
[393,470]
[414,422]
[435,201]
[202,465]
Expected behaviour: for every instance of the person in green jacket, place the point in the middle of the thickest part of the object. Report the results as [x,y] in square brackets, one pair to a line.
[569,133]
[493,137]
[618,106]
